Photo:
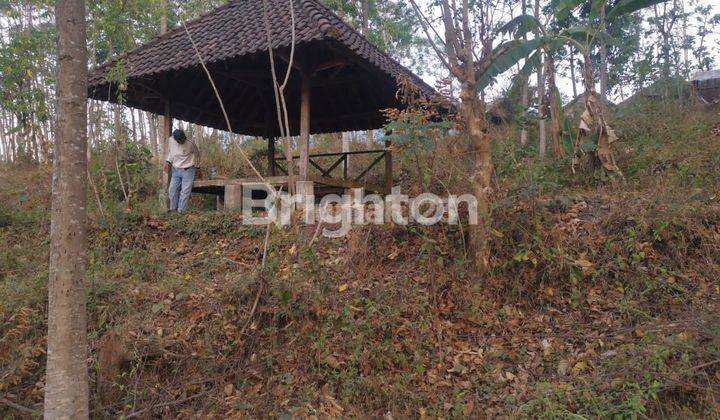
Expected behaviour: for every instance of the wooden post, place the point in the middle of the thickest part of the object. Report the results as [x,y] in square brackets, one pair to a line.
[165,134]
[304,139]
[388,167]
[271,156]
[233,197]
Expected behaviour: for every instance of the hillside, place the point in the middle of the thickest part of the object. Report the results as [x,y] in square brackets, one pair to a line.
[602,300]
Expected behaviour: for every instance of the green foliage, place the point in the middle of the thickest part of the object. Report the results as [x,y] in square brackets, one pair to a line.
[506,56]
[521,25]
[117,75]
[26,60]
[412,129]
[624,7]
[392,26]
[128,166]
[564,8]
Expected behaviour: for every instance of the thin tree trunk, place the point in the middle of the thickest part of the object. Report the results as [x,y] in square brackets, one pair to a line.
[572,72]
[525,99]
[603,59]
[34,142]
[3,139]
[91,130]
[685,43]
[365,17]
[555,111]
[134,126]
[117,123]
[542,142]
[542,137]
[152,121]
[66,379]
[162,152]
[42,143]
[364,30]
[141,125]
[341,9]
[664,25]
[13,141]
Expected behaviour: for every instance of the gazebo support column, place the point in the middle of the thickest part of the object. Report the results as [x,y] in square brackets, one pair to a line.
[304,139]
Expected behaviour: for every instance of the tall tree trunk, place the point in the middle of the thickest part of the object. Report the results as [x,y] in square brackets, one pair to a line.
[685,44]
[44,138]
[365,17]
[365,27]
[141,125]
[66,383]
[152,121]
[473,112]
[133,125]
[542,106]
[572,72]
[603,58]
[4,143]
[13,141]
[117,124]
[542,142]
[162,152]
[34,142]
[664,25]
[555,110]
[525,99]
[93,116]
[341,9]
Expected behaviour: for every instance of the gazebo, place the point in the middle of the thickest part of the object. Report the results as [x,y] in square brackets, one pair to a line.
[706,86]
[339,82]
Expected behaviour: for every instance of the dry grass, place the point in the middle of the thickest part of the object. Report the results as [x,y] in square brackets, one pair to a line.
[601,301]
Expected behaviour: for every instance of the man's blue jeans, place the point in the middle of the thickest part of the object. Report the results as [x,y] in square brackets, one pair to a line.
[180,187]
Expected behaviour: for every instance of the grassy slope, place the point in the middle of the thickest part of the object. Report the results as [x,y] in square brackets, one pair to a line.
[602,300]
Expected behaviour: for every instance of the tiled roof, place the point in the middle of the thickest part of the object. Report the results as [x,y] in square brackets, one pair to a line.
[238,29]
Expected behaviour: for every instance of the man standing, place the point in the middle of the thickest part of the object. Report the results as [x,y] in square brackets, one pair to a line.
[183,157]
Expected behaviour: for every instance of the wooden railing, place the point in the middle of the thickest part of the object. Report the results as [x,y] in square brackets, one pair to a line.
[342,159]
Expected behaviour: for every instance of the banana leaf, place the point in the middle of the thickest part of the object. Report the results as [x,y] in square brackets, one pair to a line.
[624,7]
[508,54]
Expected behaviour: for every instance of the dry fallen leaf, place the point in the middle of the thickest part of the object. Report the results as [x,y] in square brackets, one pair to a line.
[563,367]
[580,367]
[229,389]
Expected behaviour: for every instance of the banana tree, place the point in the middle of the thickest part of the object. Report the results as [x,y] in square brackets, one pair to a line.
[595,132]
[594,122]
[470,50]
[550,103]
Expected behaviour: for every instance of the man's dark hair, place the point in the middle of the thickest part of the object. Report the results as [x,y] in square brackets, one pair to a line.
[179,136]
